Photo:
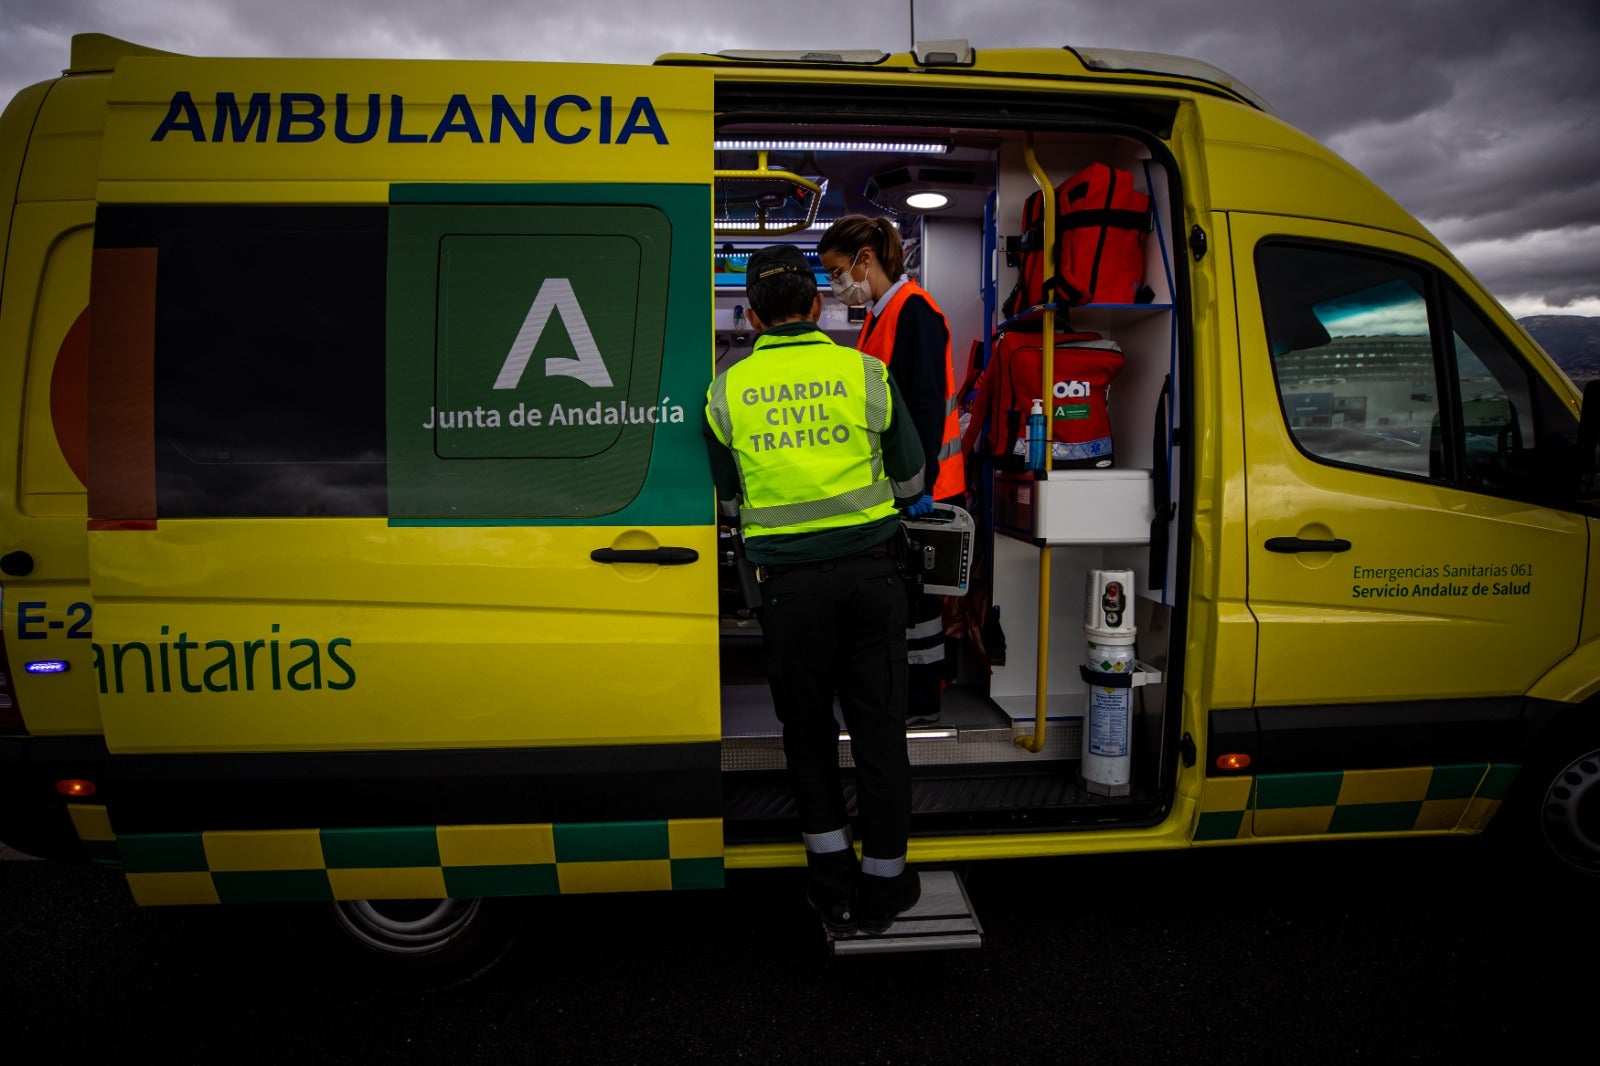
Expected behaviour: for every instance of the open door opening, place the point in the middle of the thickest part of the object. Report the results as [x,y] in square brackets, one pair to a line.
[998,758]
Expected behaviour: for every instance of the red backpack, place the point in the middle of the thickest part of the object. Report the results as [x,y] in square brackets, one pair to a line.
[1102,223]
[1083,365]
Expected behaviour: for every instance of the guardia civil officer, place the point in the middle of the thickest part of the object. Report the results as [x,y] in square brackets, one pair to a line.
[865,261]
[811,449]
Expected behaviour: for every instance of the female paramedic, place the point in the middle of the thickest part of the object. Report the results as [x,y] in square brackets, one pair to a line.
[865,261]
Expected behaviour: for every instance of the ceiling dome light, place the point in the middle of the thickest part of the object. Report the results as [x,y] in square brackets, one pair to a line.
[927,201]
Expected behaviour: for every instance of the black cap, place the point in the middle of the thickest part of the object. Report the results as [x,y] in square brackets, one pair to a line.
[776,259]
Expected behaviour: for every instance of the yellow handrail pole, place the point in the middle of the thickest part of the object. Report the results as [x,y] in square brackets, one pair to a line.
[1041,671]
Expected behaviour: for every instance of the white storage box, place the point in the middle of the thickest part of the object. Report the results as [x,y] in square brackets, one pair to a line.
[1075,506]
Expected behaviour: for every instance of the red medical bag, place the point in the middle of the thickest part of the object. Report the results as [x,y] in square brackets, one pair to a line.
[1102,224]
[1083,366]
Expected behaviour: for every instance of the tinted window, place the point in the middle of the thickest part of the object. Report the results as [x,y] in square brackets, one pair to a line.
[1354,340]
[1352,355]
[269,358]
[1517,435]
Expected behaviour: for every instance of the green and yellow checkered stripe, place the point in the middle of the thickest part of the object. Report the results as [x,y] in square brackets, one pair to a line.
[1460,798]
[417,862]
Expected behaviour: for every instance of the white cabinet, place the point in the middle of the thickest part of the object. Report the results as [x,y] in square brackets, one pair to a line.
[1075,506]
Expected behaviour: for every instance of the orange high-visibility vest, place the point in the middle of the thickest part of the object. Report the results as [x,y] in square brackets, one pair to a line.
[879,341]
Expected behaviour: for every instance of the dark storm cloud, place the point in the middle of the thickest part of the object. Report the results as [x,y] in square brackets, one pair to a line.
[1482,117]
[1557,264]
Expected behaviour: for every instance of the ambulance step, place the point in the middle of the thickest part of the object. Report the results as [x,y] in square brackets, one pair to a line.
[942,920]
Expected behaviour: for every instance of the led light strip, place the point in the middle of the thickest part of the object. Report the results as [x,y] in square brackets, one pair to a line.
[750,224]
[913,147]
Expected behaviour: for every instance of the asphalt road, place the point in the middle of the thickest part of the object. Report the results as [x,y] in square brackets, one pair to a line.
[1327,953]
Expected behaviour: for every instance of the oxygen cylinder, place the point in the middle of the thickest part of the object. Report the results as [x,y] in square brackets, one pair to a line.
[1108,717]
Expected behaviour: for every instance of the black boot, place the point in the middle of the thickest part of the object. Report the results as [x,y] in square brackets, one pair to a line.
[881,900]
[832,889]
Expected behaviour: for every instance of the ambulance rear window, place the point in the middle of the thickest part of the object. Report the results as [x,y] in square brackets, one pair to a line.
[269,357]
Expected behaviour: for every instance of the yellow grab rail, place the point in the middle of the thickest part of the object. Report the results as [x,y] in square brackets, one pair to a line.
[763,174]
[1041,681]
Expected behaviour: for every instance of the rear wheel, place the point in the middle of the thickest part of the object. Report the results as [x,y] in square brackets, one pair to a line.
[429,943]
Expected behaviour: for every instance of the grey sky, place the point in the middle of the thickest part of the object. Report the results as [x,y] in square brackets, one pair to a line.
[1481,116]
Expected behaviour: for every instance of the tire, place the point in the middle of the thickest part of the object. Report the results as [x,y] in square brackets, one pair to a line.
[411,943]
[1554,813]
[1569,816]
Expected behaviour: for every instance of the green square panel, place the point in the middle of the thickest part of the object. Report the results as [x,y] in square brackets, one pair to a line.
[697,873]
[354,849]
[1277,791]
[162,852]
[1375,818]
[1219,825]
[526,352]
[536,879]
[1497,783]
[271,886]
[1455,782]
[612,841]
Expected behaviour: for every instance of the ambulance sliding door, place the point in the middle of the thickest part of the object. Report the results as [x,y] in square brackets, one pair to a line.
[400,520]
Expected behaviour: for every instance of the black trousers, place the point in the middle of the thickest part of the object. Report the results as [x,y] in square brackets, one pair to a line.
[838,629]
[925,646]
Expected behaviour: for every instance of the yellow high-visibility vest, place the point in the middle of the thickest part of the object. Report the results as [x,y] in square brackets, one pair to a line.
[803,417]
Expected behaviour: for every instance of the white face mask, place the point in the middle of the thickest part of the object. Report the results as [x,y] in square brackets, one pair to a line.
[851,293]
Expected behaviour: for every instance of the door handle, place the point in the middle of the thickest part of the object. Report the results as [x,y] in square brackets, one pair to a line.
[1292,545]
[659,556]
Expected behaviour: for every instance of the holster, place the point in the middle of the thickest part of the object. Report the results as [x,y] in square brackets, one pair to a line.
[749,586]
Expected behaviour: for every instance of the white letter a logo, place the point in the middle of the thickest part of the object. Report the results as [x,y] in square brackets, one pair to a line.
[555,295]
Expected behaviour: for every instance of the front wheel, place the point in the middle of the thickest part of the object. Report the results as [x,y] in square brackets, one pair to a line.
[1553,813]
[429,943]
[1569,815]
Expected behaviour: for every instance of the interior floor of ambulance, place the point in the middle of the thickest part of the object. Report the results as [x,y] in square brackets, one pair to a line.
[968,774]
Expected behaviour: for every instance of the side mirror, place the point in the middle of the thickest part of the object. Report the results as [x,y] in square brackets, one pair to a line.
[1589,435]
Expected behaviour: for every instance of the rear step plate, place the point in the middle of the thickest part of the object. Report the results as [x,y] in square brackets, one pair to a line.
[942,920]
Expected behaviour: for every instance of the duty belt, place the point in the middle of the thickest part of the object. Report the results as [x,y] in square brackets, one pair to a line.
[767,571]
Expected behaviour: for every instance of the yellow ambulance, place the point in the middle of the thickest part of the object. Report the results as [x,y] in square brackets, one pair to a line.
[358,547]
